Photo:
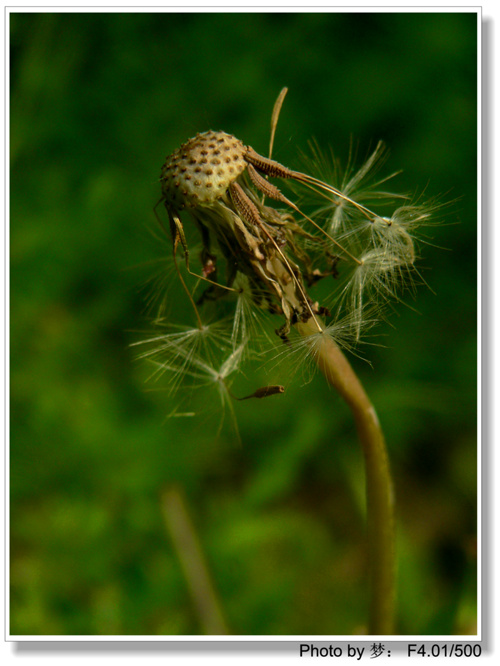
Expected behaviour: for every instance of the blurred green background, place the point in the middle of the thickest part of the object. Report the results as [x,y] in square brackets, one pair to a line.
[97,102]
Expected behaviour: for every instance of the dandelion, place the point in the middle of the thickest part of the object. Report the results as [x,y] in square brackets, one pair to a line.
[262,262]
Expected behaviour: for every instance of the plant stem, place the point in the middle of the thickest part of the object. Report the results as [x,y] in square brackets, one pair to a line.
[379,492]
[193,562]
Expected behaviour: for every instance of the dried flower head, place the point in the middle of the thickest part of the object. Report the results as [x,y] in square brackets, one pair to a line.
[258,258]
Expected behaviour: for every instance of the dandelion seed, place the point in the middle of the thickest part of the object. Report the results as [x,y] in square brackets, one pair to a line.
[181,351]
[374,282]
[265,392]
[391,236]
[248,319]
[220,378]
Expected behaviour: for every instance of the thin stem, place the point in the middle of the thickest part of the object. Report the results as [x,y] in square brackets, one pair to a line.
[193,562]
[379,492]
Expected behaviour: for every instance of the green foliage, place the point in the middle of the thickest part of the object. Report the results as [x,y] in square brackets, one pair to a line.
[97,102]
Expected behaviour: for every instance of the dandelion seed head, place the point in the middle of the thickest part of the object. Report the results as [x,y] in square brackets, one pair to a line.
[265,264]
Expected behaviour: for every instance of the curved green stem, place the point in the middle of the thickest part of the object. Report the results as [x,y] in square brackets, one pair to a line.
[379,493]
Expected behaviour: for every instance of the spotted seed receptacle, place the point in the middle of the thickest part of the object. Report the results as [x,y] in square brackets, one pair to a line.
[202,169]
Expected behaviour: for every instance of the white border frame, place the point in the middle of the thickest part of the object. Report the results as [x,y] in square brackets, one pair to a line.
[246,641]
